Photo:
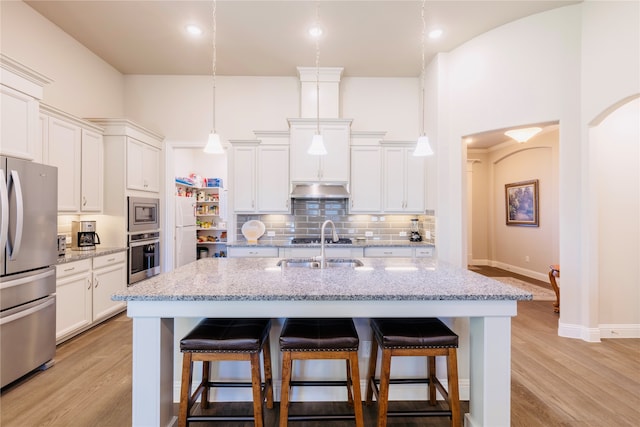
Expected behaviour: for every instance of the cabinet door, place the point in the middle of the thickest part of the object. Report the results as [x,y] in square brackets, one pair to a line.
[335,165]
[107,281]
[73,303]
[366,179]
[64,153]
[303,166]
[244,169]
[394,179]
[143,166]
[273,179]
[92,172]
[18,115]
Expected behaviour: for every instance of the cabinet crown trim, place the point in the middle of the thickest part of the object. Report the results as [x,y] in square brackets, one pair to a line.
[15,67]
[313,121]
[59,114]
[125,127]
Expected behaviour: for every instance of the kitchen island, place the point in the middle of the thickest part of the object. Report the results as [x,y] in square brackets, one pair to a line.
[400,287]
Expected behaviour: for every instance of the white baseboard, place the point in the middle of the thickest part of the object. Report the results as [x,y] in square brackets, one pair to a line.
[619,331]
[544,277]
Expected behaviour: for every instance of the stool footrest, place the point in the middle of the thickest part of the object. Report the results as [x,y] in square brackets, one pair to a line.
[199,418]
[319,383]
[229,384]
[431,413]
[334,417]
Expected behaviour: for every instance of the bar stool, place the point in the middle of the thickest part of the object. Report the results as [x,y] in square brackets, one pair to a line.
[214,340]
[304,339]
[413,337]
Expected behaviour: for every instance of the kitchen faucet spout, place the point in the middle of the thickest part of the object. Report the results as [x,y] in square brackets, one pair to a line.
[334,238]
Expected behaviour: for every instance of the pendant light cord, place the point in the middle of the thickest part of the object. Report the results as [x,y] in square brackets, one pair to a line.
[424,33]
[318,71]
[214,31]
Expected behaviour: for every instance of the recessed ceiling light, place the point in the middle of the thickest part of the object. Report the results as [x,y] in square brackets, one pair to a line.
[315,32]
[435,34]
[194,30]
[468,140]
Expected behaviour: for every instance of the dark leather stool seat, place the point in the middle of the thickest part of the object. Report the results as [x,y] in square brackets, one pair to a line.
[413,337]
[214,340]
[304,339]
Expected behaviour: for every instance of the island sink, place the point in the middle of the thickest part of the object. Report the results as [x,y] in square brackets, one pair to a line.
[313,263]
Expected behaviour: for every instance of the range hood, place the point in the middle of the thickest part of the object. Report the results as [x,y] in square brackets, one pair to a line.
[319,191]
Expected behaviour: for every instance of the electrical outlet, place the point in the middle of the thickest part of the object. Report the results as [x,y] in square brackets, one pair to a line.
[427,235]
[381,219]
[374,219]
[271,233]
[368,233]
[403,234]
[352,231]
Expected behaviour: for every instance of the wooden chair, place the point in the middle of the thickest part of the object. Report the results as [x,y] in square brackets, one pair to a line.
[215,340]
[554,271]
[304,339]
[413,337]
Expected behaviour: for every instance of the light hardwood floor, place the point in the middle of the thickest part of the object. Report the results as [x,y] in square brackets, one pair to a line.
[555,381]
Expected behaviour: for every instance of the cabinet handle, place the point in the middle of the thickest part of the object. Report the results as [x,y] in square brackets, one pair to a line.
[84,201]
[69,269]
[111,259]
[253,253]
[89,282]
[388,253]
[97,283]
[352,202]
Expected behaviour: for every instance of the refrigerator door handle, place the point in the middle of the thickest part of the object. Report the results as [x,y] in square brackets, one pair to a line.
[13,252]
[4,205]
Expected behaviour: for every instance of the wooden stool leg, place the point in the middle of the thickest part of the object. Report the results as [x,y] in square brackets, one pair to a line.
[371,374]
[349,383]
[454,394]
[185,390]
[383,397]
[357,395]
[256,387]
[206,369]
[431,362]
[556,289]
[268,375]
[284,393]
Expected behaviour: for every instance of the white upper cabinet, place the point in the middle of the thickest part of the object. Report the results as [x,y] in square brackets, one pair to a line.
[334,166]
[75,147]
[366,179]
[404,180]
[21,90]
[260,178]
[143,166]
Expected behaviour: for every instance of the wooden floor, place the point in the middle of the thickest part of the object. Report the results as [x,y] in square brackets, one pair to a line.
[555,381]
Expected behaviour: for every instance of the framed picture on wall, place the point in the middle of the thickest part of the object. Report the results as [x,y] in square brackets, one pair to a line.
[521,200]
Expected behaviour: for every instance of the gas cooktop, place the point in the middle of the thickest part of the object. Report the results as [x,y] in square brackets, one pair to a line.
[312,240]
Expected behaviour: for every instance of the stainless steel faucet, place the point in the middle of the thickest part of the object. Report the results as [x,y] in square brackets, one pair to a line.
[334,238]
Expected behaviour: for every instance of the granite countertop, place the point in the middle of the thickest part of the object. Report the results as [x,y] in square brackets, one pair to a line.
[70,255]
[259,279]
[270,243]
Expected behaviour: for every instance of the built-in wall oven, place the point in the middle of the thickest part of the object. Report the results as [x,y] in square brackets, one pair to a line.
[144,256]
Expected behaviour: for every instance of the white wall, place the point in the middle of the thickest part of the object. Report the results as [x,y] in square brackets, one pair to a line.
[534,70]
[83,84]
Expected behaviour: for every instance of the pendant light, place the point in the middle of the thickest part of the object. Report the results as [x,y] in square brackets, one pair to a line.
[422,145]
[317,147]
[214,146]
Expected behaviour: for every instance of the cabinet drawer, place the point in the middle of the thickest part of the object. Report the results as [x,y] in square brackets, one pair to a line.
[252,252]
[424,252]
[105,260]
[383,252]
[71,268]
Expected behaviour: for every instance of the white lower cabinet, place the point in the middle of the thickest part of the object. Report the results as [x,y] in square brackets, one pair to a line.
[83,292]
[341,252]
[73,298]
[246,252]
[398,252]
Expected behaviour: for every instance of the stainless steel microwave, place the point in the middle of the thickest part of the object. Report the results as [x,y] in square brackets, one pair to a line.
[144,214]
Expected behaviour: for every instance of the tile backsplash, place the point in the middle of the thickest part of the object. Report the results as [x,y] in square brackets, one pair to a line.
[308,216]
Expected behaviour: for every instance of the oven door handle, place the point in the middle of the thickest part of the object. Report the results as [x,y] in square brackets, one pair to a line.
[143,243]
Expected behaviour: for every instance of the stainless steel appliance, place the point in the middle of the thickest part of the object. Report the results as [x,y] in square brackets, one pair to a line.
[62,244]
[144,256]
[144,214]
[28,242]
[415,231]
[84,236]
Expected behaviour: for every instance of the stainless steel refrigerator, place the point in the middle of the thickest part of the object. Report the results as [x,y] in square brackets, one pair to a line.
[28,242]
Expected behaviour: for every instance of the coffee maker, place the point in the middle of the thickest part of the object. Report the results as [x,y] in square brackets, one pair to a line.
[415,231]
[84,236]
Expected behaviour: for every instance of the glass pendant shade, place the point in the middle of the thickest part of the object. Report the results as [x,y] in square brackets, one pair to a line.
[214,146]
[524,134]
[317,147]
[423,148]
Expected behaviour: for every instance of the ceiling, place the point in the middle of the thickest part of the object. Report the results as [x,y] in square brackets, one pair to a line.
[270,38]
